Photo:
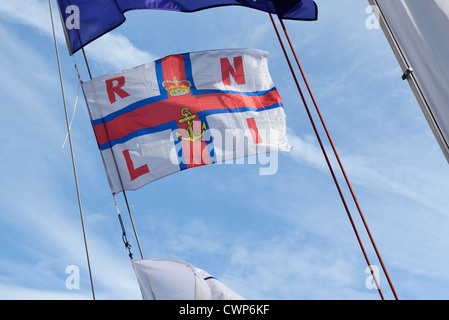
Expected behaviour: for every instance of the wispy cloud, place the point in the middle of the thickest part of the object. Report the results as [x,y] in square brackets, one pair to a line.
[116,50]
[37,181]
[400,179]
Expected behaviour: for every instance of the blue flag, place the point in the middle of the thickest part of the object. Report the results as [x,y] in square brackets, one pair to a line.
[86,20]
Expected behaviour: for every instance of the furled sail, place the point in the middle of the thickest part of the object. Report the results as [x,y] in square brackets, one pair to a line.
[418,32]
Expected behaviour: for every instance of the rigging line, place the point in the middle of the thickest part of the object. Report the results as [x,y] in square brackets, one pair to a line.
[124,237]
[338,160]
[71,149]
[76,102]
[327,160]
[132,222]
[120,178]
[87,63]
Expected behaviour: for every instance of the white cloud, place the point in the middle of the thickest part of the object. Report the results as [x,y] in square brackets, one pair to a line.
[33,13]
[307,150]
[112,49]
[117,51]
[313,268]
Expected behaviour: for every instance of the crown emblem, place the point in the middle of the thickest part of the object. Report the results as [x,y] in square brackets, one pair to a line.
[177,88]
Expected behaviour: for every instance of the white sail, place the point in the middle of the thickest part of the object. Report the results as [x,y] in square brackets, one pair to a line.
[418,32]
[169,279]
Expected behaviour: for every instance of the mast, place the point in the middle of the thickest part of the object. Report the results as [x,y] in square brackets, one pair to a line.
[71,150]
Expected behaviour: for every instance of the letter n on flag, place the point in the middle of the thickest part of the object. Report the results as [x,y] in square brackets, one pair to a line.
[184,111]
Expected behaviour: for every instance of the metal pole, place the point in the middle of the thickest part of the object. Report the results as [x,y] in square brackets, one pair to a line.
[71,150]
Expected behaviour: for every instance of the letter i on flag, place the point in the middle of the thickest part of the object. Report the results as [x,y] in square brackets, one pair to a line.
[184,111]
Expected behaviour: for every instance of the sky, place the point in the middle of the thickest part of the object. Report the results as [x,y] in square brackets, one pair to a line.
[284,236]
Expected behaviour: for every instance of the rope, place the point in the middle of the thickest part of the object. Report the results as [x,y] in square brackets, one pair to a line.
[76,102]
[71,149]
[124,238]
[339,161]
[327,159]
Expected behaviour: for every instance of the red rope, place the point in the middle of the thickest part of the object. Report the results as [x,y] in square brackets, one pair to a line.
[323,150]
[340,163]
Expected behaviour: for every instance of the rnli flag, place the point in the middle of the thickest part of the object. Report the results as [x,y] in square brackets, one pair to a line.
[184,111]
[86,20]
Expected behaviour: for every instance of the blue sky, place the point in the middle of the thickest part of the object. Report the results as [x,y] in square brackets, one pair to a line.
[281,236]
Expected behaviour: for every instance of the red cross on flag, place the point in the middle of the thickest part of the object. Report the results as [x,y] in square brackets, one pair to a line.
[184,111]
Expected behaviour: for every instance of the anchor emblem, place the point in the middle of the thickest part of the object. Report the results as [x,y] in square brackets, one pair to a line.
[190,119]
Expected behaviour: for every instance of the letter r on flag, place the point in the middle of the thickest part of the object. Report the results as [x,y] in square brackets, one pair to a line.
[117,89]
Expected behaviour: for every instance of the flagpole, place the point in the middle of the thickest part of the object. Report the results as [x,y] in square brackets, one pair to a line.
[123,189]
[326,158]
[87,63]
[71,150]
[338,159]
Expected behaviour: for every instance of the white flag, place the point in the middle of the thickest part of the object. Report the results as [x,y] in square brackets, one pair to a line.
[168,279]
[184,111]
